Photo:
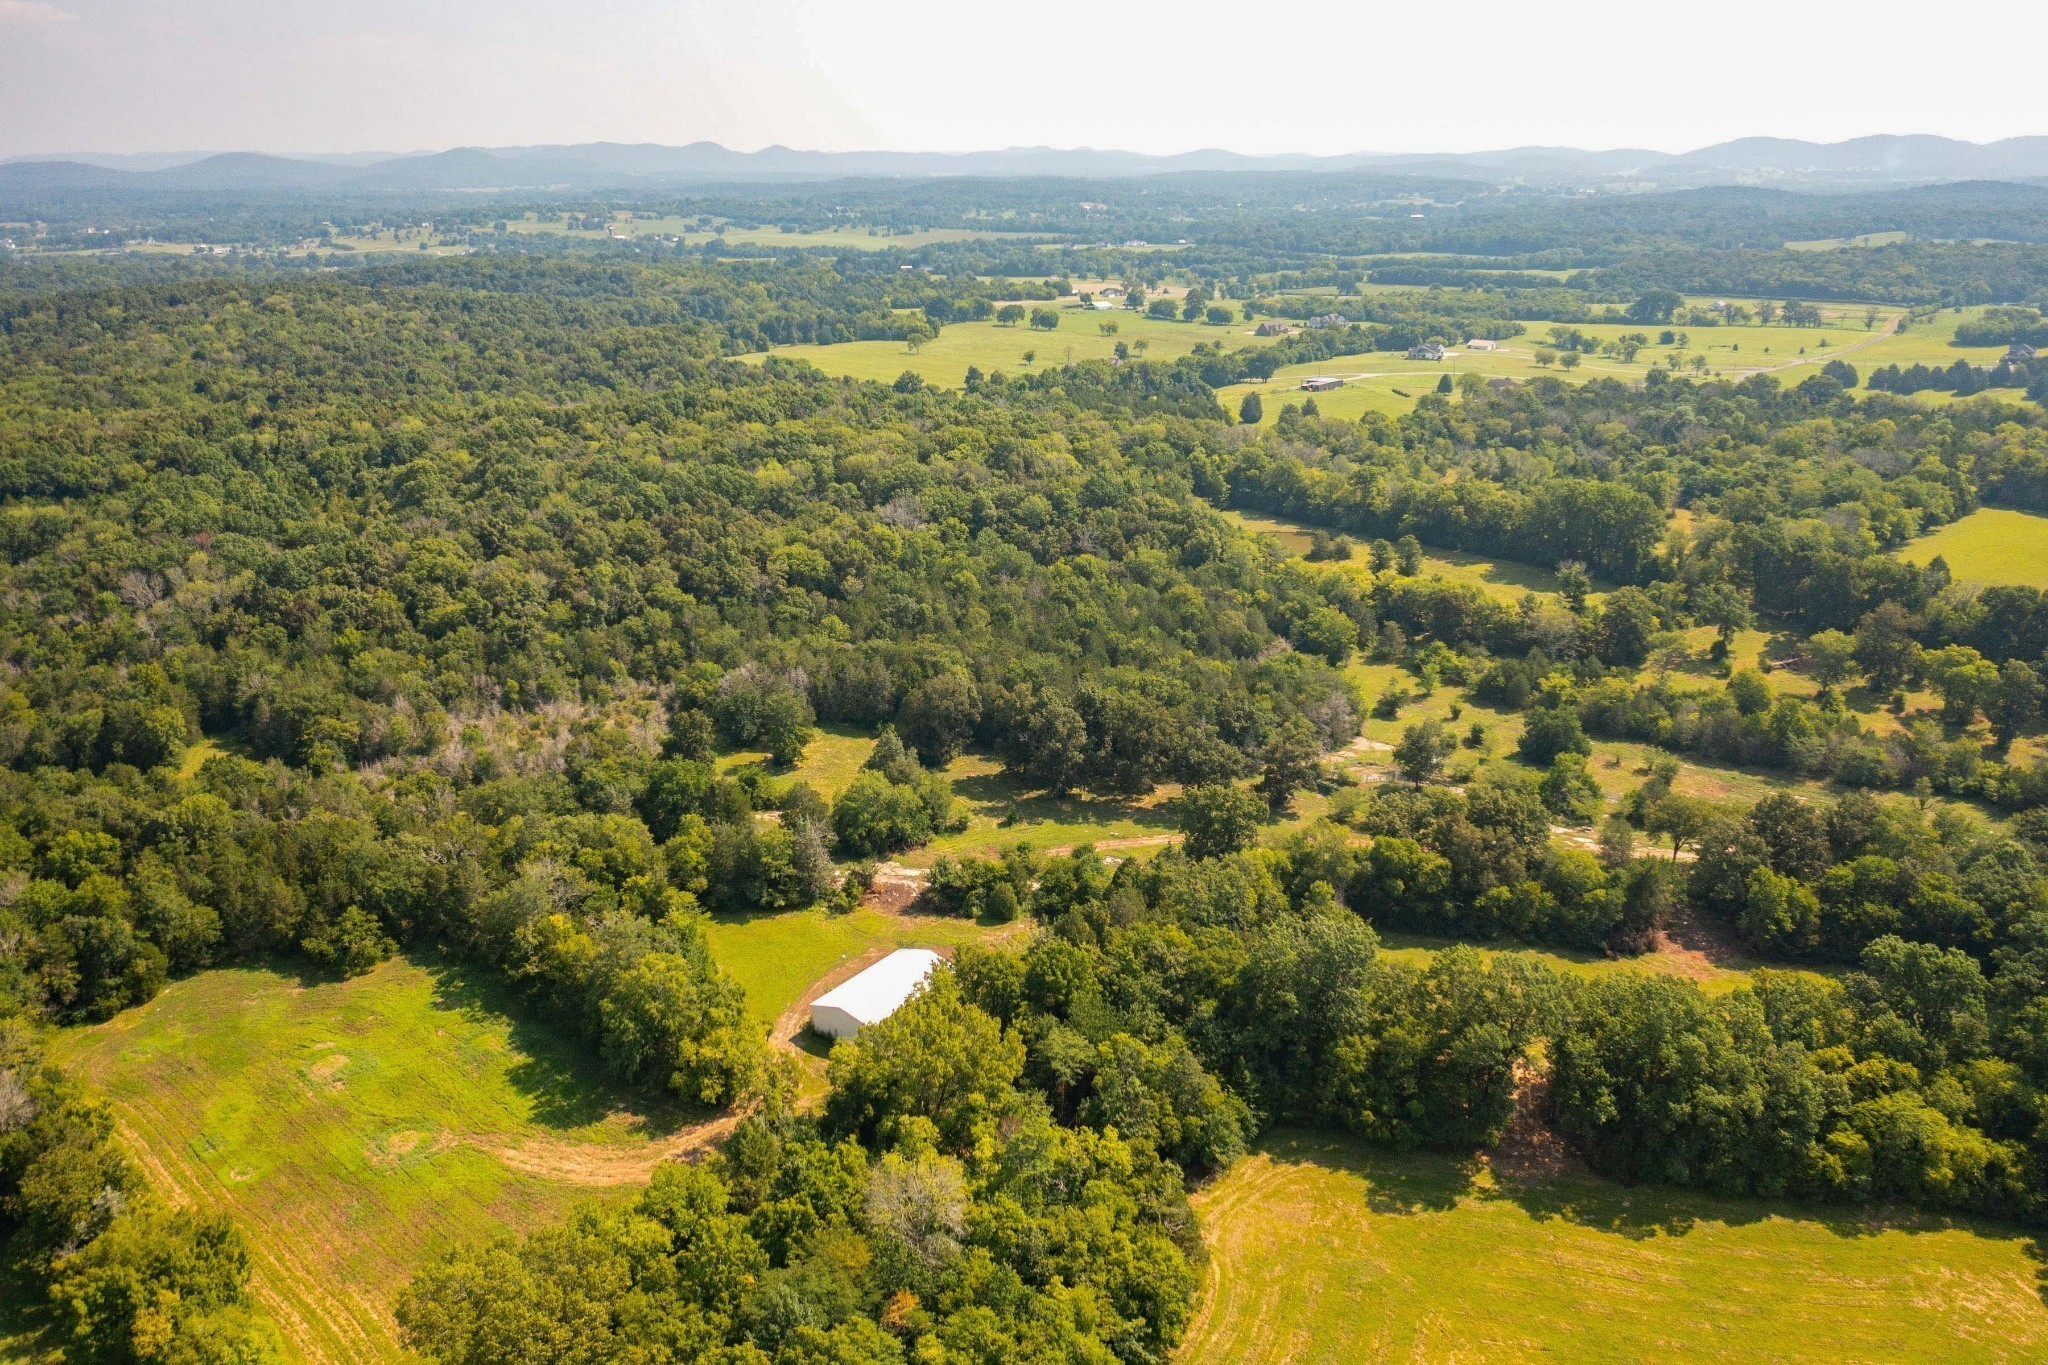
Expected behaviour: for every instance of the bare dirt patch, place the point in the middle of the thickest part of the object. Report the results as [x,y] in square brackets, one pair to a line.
[1111,845]
[896,887]
[599,1164]
[328,1067]
[1531,1151]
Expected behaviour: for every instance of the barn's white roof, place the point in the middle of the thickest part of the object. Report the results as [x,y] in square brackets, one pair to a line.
[877,993]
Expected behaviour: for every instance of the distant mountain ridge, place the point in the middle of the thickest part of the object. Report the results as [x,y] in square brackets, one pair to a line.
[1879,161]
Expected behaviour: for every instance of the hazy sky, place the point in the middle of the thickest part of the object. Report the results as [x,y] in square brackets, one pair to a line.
[1362,75]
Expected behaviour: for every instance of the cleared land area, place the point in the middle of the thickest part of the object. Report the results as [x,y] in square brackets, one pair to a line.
[992,346]
[1989,546]
[1326,1251]
[1390,383]
[354,1129]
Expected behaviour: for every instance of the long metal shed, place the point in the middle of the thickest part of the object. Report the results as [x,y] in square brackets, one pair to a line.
[874,994]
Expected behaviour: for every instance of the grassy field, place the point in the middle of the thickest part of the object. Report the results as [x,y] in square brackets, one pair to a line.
[1504,579]
[1989,546]
[777,956]
[991,346]
[1326,1251]
[1388,383]
[355,1128]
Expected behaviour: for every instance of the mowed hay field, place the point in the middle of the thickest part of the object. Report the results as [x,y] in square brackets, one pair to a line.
[1989,546]
[354,1129]
[1325,1251]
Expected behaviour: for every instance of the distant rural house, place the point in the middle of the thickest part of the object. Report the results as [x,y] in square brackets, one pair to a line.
[874,994]
[1112,292]
[1428,350]
[2019,350]
[1482,344]
[1322,320]
[1271,327]
[1322,384]
[1100,303]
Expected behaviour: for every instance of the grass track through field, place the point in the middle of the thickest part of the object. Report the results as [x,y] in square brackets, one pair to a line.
[355,1129]
[1323,1250]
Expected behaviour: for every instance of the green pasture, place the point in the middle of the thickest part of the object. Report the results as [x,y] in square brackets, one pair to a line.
[777,957]
[356,1128]
[1861,240]
[1324,1250]
[1716,977]
[1505,579]
[1989,546]
[1388,382]
[992,346]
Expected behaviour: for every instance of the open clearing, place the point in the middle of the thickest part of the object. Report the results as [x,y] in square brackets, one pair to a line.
[991,346]
[1989,546]
[1326,1251]
[356,1128]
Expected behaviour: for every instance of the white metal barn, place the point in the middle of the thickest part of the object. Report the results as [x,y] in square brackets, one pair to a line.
[874,994]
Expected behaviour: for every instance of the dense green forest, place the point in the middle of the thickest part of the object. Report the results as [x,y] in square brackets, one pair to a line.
[412,604]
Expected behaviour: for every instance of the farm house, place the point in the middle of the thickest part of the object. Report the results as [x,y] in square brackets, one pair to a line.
[874,994]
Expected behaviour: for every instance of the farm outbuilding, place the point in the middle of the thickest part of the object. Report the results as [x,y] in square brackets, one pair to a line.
[1322,384]
[1481,344]
[873,995]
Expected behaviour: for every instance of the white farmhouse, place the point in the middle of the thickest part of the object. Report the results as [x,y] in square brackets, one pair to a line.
[874,994]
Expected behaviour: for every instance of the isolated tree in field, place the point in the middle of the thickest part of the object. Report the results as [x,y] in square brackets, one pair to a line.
[1545,357]
[1966,681]
[1218,819]
[1627,348]
[1162,308]
[1885,648]
[1009,315]
[1725,607]
[1292,762]
[1573,583]
[1408,556]
[1108,329]
[1045,319]
[1628,619]
[1251,410]
[1443,385]
[1830,657]
[1141,346]
[1381,555]
[1568,790]
[1569,360]
[1423,750]
[1681,819]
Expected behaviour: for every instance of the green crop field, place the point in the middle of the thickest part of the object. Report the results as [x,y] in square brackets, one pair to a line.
[1989,546]
[355,1128]
[990,346]
[1325,1251]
